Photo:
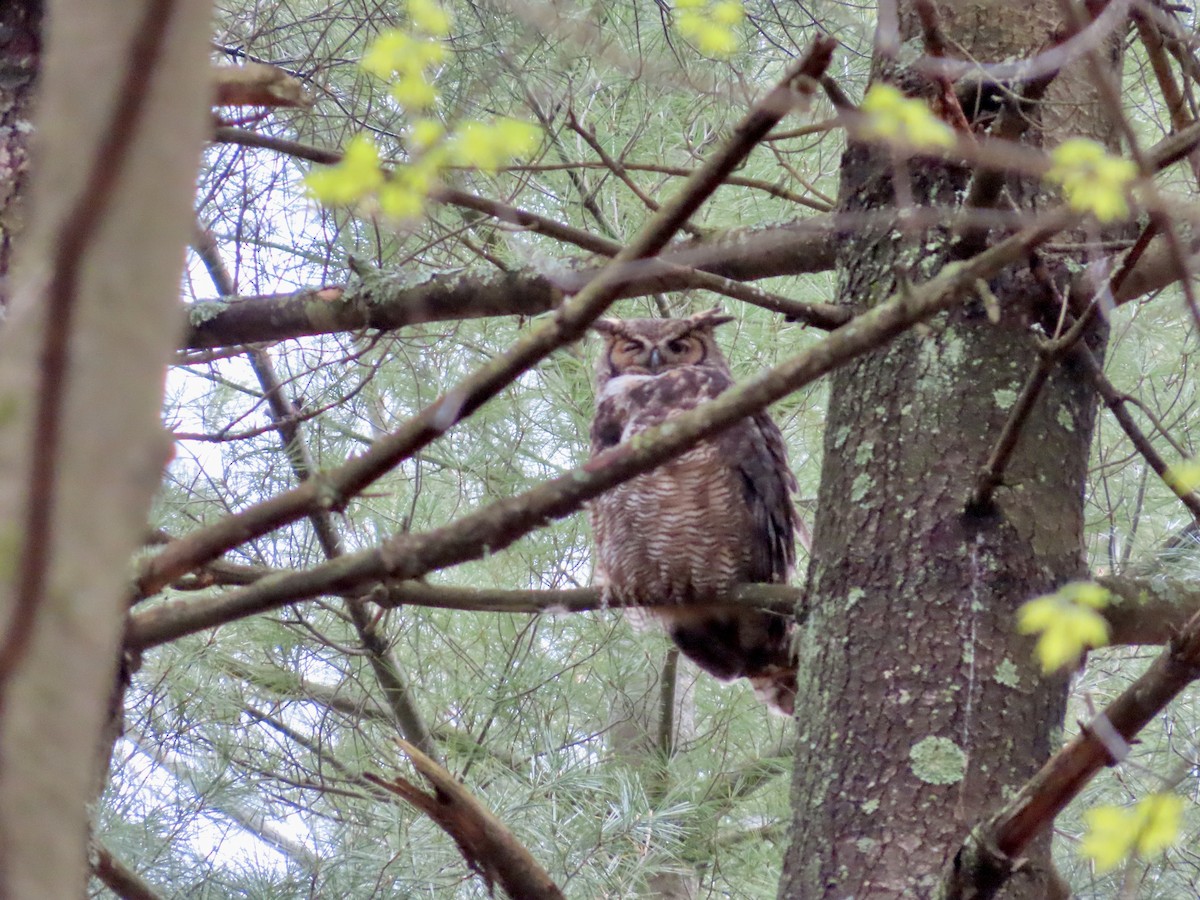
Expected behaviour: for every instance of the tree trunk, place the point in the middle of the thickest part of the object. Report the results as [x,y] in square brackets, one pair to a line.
[20,50]
[920,708]
[92,320]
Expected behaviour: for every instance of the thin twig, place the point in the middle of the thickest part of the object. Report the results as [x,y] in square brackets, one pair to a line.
[504,212]
[1115,401]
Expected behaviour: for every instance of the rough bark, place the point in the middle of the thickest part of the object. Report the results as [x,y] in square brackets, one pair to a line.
[20,50]
[919,706]
[121,117]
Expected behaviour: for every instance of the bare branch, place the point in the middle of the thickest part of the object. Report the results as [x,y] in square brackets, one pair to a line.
[255,84]
[386,303]
[490,849]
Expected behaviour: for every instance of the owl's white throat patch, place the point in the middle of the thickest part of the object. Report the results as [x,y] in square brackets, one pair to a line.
[621,383]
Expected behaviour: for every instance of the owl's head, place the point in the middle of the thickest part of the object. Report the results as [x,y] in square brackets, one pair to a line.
[654,346]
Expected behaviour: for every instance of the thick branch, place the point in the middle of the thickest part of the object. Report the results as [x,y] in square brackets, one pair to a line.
[388,303]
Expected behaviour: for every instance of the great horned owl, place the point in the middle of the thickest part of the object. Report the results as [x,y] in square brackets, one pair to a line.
[715,516]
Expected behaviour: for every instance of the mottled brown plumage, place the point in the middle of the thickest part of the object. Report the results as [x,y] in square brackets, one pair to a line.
[718,515]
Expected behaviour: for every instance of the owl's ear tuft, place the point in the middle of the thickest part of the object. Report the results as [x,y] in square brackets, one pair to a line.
[607,326]
[711,318]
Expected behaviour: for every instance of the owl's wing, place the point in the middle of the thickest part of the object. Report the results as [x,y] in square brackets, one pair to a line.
[609,422]
[753,448]
[633,403]
[756,450]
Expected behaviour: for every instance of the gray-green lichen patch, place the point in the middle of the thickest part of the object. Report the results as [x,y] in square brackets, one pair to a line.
[1065,420]
[862,484]
[853,596]
[204,310]
[937,760]
[869,806]
[1007,674]
[1004,398]
[862,455]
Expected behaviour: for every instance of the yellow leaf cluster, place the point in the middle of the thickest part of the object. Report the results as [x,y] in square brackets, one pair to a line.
[429,18]
[1066,623]
[406,59]
[1147,828]
[710,26]
[351,179]
[1091,179]
[888,115]
[1184,477]
[489,145]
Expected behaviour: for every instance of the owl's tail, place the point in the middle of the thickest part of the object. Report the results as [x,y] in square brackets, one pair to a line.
[777,689]
[755,645]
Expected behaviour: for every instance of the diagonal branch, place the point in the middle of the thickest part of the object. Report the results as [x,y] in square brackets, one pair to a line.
[992,852]
[1116,402]
[334,490]
[294,444]
[489,847]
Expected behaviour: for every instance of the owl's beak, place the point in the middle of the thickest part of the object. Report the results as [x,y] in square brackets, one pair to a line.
[656,359]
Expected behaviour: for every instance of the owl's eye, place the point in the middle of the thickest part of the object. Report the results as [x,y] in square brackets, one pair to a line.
[631,347]
[677,346]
